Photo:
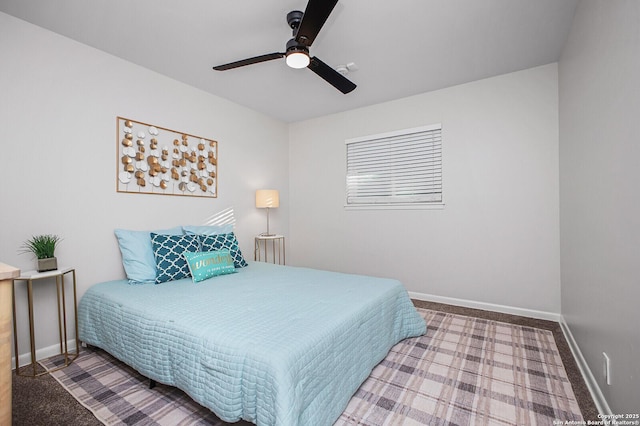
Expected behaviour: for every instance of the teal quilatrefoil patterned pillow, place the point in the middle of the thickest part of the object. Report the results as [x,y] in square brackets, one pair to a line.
[204,265]
[224,241]
[168,251]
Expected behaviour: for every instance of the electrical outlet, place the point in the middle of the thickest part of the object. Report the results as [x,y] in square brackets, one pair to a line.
[606,370]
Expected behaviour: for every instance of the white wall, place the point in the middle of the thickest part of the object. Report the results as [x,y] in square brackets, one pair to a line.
[599,75]
[496,240]
[58,108]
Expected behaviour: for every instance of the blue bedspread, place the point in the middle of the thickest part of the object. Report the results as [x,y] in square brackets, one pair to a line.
[274,345]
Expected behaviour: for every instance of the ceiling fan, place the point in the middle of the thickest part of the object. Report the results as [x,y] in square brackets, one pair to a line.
[305,27]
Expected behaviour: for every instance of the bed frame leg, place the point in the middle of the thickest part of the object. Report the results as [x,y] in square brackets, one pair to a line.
[152,383]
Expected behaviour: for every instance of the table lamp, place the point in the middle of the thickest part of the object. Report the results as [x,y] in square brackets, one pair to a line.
[267,199]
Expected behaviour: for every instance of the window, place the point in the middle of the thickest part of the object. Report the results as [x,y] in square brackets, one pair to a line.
[396,168]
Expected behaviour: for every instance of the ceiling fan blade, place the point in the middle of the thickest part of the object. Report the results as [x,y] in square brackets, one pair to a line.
[331,76]
[249,61]
[315,15]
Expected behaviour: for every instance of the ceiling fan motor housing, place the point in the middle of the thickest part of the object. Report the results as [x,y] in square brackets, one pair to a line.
[294,46]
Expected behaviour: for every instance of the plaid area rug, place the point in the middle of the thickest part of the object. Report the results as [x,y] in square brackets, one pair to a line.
[118,395]
[467,371]
[464,371]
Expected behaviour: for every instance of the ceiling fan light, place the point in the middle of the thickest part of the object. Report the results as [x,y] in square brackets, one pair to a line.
[297,59]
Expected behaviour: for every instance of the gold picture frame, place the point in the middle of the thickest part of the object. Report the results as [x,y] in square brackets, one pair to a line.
[155,160]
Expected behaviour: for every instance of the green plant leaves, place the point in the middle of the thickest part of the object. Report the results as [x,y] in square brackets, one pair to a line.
[42,246]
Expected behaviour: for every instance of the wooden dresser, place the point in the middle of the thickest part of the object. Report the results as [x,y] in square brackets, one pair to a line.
[7,274]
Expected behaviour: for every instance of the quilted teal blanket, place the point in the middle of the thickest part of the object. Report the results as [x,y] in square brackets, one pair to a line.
[274,345]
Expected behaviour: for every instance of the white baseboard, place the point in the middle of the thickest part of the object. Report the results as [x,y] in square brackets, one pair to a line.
[531,313]
[589,378]
[25,359]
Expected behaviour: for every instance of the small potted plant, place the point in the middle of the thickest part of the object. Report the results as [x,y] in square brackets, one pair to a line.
[43,247]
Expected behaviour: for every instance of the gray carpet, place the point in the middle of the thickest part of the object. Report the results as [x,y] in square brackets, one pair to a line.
[42,401]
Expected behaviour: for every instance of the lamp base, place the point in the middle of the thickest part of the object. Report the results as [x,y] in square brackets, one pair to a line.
[267,234]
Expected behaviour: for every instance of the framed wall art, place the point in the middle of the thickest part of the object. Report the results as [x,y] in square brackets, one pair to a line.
[155,160]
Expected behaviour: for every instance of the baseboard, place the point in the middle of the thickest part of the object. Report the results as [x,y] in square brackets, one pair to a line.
[531,313]
[25,359]
[587,375]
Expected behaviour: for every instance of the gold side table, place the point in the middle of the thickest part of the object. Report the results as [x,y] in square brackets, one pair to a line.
[30,277]
[273,242]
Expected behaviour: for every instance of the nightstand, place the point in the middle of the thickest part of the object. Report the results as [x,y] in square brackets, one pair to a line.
[59,276]
[270,246]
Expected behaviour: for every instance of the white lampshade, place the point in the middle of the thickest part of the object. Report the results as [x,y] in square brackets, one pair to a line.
[267,198]
[297,60]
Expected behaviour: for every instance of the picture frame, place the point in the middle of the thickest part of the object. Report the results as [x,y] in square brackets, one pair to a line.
[152,159]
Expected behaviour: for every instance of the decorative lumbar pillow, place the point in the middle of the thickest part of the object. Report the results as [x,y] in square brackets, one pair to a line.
[168,251]
[208,229]
[209,264]
[137,253]
[224,241]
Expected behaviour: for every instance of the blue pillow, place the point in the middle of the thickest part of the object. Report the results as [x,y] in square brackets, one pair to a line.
[208,229]
[224,241]
[168,251]
[137,253]
[204,265]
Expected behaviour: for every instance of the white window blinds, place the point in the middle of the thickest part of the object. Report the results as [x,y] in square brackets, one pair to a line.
[403,167]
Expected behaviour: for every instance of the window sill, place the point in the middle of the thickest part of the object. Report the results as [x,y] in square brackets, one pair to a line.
[415,206]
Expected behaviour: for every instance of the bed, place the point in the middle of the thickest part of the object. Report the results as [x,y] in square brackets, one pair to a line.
[271,344]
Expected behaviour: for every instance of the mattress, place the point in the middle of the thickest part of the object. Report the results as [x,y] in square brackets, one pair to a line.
[271,344]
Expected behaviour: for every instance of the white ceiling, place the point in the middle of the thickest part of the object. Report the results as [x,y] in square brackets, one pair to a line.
[401,47]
